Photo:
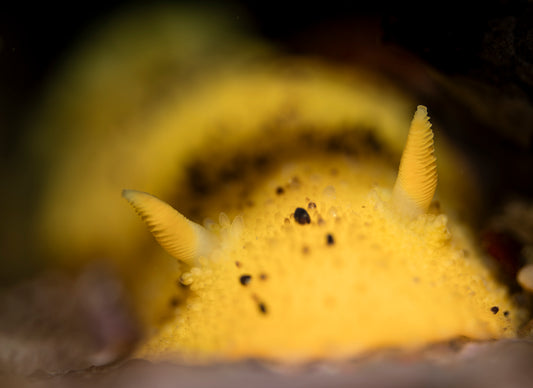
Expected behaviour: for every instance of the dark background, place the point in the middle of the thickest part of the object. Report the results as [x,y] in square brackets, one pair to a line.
[490,45]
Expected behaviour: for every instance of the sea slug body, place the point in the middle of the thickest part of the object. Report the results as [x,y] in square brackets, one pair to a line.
[390,261]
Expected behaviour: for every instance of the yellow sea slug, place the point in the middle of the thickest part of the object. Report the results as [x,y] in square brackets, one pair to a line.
[323,249]
[327,260]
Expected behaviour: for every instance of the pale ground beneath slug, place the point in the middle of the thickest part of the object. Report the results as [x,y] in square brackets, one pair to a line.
[504,363]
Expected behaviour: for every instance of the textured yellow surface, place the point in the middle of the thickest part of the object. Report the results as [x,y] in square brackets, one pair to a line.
[379,281]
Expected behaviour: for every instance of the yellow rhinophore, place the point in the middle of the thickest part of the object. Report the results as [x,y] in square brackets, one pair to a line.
[182,238]
[417,178]
[330,261]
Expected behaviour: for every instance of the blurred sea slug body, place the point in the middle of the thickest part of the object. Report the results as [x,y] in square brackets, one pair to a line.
[321,249]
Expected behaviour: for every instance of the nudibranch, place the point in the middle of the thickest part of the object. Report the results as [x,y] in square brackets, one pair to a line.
[322,250]
[329,258]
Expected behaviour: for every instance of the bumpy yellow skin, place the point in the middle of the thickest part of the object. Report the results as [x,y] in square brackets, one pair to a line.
[380,280]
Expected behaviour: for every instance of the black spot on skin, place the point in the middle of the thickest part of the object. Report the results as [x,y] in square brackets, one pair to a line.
[334,144]
[301,216]
[174,301]
[238,264]
[262,308]
[263,276]
[311,205]
[506,313]
[280,190]
[245,279]
[372,142]
[261,162]
[495,309]
[329,239]
[198,179]
[305,250]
